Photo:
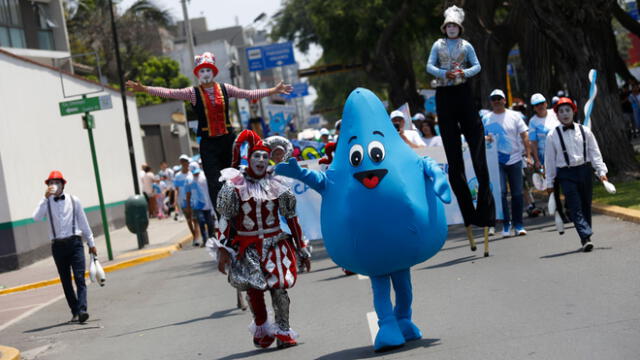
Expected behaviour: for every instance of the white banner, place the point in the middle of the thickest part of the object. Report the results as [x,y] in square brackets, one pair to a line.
[309,201]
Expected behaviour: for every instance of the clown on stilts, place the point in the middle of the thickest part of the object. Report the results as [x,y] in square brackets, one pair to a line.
[452,61]
[259,257]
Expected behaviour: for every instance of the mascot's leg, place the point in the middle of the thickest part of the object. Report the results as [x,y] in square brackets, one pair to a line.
[404,296]
[285,335]
[389,336]
[261,329]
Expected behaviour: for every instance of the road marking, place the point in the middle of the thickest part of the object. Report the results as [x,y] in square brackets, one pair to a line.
[30,312]
[21,307]
[372,319]
[362,277]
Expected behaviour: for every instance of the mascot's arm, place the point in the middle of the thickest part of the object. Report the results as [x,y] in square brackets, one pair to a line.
[434,175]
[228,206]
[316,180]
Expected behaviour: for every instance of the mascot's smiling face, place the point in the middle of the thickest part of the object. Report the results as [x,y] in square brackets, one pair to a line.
[375,151]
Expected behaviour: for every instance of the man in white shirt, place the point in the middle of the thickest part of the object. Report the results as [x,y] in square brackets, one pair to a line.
[410,137]
[201,204]
[570,152]
[182,182]
[509,131]
[67,223]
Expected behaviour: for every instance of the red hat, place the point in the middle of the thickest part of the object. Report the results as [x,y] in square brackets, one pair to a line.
[55,175]
[565,101]
[208,60]
[255,144]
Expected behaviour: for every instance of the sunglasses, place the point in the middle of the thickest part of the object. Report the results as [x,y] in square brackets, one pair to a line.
[496,98]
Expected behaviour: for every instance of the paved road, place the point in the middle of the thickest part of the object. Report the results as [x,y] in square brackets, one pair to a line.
[535,297]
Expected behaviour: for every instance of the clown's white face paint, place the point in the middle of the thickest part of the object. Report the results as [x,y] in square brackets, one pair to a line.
[258,162]
[452,30]
[565,114]
[205,75]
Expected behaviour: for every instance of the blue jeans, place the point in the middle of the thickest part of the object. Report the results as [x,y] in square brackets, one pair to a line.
[577,186]
[512,174]
[205,221]
[68,255]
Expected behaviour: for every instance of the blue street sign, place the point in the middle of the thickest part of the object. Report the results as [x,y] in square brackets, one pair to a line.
[299,89]
[270,56]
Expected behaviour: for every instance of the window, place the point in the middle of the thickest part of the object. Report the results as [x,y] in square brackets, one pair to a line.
[45,26]
[11,32]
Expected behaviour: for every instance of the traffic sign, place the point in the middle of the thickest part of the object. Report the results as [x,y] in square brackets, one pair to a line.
[85,105]
[299,89]
[270,56]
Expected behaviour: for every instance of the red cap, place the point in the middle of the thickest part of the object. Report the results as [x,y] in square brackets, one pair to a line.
[255,143]
[565,101]
[55,175]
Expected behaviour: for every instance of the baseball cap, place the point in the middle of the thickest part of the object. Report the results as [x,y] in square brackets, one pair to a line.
[497,92]
[418,117]
[537,98]
[396,113]
[184,157]
[324,131]
[194,167]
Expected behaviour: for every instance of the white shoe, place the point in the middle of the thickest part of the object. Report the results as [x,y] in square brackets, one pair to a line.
[506,230]
[588,246]
[492,231]
[521,232]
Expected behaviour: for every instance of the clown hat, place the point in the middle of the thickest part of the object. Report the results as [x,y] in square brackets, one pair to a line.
[565,101]
[206,60]
[453,15]
[55,175]
[255,144]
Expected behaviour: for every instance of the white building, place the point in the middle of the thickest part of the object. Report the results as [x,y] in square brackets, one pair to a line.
[35,139]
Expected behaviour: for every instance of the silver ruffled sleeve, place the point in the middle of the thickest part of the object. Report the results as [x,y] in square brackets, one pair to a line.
[287,204]
[228,204]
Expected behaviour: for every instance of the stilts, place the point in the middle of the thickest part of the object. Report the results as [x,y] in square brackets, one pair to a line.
[472,242]
[486,241]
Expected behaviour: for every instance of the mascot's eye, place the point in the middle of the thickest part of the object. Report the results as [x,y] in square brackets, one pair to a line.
[355,154]
[376,151]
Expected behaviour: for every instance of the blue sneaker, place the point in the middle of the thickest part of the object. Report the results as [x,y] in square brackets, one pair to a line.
[506,230]
[520,231]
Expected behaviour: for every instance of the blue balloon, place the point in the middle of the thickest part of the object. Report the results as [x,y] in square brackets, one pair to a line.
[382,208]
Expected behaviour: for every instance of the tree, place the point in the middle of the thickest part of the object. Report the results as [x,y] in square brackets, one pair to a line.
[159,71]
[380,34]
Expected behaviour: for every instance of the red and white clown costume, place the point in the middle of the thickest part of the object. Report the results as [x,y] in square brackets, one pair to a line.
[258,256]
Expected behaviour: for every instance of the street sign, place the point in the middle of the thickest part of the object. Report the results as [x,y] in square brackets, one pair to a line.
[299,89]
[270,56]
[85,105]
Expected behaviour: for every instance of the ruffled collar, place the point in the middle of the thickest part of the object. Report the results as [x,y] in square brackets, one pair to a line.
[270,187]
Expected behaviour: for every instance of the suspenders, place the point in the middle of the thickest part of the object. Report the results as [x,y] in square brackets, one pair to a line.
[73,221]
[559,130]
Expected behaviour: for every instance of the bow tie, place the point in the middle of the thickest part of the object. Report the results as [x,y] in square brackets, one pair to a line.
[58,198]
[568,127]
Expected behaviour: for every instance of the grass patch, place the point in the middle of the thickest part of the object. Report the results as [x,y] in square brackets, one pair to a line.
[627,194]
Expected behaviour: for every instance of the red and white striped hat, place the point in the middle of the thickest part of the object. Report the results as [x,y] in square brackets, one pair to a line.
[207,59]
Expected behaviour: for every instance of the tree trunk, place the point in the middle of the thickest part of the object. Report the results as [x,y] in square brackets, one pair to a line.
[579,34]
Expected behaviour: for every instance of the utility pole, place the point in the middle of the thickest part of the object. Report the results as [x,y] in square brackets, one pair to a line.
[189,34]
[127,124]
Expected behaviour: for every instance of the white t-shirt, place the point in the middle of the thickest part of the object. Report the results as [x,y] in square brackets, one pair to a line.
[147,183]
[170,175]
[432,141]
[414,137]
[182,181]
[540,127]
[505,128]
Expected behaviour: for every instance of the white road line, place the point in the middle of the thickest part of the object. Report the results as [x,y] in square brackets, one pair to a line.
[372,319]
[20,307]
[30,312]
[362,277]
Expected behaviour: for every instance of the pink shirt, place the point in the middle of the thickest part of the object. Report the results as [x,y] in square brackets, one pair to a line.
[189,94]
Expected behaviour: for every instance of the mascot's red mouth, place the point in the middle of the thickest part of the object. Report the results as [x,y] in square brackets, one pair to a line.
[370,179]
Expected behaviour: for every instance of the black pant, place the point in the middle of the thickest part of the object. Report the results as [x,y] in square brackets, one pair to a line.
[577,186]
[68,255]
[457,116]
[216,153]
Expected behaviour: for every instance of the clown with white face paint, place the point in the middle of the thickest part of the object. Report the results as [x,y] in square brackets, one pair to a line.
[452,61]
[259,256]
[571,151]
[210,101]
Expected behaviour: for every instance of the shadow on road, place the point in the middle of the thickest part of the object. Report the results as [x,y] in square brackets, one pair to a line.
[216,315]
[256,352]
[76,326]
[452,262]
[366,352]
[551,256]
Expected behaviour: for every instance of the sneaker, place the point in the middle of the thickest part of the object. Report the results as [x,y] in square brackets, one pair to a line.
[492,231]
[520,231]
[74,319]
[263,342]
[588,246]
[83,317]
[285,341]
[506,230]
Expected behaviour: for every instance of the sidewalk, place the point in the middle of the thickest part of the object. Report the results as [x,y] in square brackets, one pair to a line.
[165,237]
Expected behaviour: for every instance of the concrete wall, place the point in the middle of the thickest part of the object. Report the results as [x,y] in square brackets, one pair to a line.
[164,139]
[36,139]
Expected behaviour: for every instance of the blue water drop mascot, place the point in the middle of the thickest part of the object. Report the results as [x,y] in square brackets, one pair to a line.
[382,210]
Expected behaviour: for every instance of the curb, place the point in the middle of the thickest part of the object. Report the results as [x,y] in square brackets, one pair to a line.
[9,353]
[626,214]
[157,254]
